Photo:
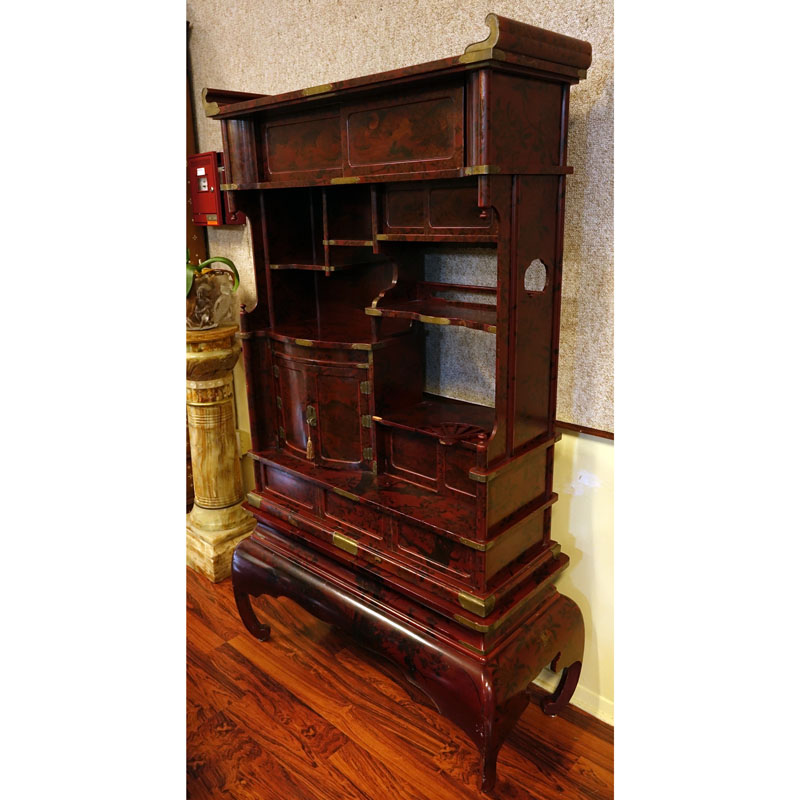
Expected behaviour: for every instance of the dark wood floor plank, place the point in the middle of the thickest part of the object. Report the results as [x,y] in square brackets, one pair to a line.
[200,635]
[412,753]
[372,777]
[223,761]
[214,605]
[310,715]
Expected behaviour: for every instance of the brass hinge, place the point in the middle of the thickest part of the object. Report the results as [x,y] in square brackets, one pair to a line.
[275,371]
[366,421]
[366,387]
[279,402]
[367,454]
[282,433]
[311,416]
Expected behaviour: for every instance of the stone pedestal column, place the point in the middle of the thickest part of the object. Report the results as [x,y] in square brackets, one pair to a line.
[217,522]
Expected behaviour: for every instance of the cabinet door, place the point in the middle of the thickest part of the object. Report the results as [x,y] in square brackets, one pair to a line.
[340,437]
[293,392]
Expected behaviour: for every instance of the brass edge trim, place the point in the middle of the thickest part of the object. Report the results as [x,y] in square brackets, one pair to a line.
[477,605]
[491,39]
[321,89]
[471,543]
[481,627]
[482,169]
[471,647]
[304,342]
[382,237]
[361,346]
[254,499]
[434,320]
[211,109]
[492,329]
[475,626]
[377,418]
[347,179]
[228,187]
[481,477]
[345,543]
[487,54]
[373,312]
[342,493]
[362,366]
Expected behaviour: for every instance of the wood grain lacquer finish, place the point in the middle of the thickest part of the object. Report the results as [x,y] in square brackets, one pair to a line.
[419,523]
[217,522]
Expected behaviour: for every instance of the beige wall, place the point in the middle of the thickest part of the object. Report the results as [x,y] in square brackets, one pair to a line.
[288,44]
[583,524]
[280,45]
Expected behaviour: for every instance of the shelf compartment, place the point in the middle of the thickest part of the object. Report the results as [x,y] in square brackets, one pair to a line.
[436,414]
[441,312]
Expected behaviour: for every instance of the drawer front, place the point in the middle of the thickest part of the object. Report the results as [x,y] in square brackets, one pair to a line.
[411,457]
[355,518]
[302,144]
[289,487]
[443,207]
[413,132]
[438,553]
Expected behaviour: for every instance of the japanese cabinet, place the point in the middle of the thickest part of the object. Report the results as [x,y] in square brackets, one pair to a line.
[417,521]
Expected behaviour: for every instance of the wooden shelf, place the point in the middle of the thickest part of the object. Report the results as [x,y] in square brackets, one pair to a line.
[436,413]
[437,237]
[321,267]
[348,242]
[442,312]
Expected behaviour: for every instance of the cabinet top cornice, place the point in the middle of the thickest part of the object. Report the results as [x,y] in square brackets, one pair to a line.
[509,45]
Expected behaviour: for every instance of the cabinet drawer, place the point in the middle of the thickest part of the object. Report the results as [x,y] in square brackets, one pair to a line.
[410,132]
[439,553]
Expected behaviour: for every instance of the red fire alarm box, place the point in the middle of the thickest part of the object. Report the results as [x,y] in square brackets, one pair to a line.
[210,206]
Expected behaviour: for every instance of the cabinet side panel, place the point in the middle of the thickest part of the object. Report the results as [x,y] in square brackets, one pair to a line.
[525,122]
[537,238]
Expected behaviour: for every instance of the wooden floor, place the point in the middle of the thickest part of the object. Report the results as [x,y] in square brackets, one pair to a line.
[309,715]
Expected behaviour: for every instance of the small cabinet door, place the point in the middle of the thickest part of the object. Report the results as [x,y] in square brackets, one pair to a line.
[342,432]
[325,417]
[293,400]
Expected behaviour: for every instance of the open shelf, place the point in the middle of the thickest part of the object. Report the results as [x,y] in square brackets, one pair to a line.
[436,311]
[348,242]
[458,238]
[321,267]
[442,417]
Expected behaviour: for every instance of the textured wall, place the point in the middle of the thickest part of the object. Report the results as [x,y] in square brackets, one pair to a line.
[281,45]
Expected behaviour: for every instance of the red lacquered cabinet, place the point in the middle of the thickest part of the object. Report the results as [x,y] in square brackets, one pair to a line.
[418,522]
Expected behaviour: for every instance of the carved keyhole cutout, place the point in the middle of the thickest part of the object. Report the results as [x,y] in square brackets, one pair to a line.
[535,277]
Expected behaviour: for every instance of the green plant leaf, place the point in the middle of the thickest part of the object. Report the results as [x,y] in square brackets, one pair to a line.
[228,263]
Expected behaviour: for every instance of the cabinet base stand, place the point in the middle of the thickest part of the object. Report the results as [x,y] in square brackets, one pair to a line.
[211,536]
[484,694]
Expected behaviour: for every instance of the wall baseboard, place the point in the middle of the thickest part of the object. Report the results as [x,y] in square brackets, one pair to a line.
[592,703]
